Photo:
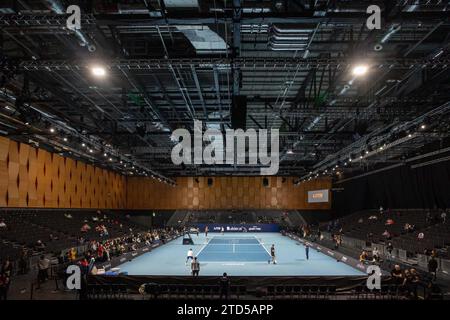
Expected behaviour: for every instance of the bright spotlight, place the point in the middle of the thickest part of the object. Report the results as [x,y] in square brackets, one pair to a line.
[98,71]
[360,70]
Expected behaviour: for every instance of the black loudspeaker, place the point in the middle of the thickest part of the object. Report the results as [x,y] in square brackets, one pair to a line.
[210,182]
[239,112]
[265,182]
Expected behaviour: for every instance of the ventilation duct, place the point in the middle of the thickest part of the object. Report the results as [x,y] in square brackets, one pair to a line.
[290,39]
[203,39]
[181,3]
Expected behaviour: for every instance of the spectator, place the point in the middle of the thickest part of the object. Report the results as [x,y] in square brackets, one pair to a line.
[397,274]
[68,215]
[23,262]
[387,235]
[3,224]
[40,246]
[381,210]
[7,268]
[432,267]
[389,222]
[414,282]
[376,254]
[420,236]
[43,265]
[361,220]
[4,286]
[195,267]
[224,286]
[443,216]
[390,248]
[85,228]
[373,217]
[363,256]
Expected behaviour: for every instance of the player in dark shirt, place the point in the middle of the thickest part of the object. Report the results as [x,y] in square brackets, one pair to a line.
[272,254]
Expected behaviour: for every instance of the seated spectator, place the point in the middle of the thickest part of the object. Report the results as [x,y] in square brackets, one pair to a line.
[373,217]
[443,216]
[381,210]
[390,248]
[363,256]
[397,274]
[420,236]
[387,235]
[68,215]
[389,222]
[39,246]
[72,254]
[361,220]
[85,228]
[3,224]
[376,254]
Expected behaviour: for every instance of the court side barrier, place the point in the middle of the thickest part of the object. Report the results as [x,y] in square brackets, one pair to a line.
[331,253]
[128,256]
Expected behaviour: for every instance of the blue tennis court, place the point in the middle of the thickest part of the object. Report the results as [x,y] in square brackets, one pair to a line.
[216,256]
[226,249]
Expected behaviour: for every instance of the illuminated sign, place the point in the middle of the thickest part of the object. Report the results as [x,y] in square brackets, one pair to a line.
[317,196]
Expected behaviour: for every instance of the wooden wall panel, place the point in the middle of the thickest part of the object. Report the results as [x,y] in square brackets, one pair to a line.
[31,177]
[36,178]
[225,193]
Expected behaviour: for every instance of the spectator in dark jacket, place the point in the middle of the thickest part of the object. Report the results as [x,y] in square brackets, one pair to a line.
[224,286]
[432,267]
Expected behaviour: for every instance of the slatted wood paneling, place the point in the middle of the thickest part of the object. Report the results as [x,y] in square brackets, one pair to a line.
[31,177]
[225,193]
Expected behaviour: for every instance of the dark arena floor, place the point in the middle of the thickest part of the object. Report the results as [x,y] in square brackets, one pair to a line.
[163,151]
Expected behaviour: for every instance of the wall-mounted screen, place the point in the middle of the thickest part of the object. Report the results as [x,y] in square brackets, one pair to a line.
[317,196]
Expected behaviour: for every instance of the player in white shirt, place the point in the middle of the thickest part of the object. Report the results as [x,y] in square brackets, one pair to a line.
[190,255]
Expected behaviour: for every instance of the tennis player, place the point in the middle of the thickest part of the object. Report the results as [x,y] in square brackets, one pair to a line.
[272,254]
[190,255]
[206,231]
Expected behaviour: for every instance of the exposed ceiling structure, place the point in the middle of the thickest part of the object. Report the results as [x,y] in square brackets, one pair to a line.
[112,92]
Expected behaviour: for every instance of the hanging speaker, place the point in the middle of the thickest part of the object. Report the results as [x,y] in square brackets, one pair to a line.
[239,112]
[265,182]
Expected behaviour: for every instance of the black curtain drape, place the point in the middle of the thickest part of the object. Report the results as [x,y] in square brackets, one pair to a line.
[401,187]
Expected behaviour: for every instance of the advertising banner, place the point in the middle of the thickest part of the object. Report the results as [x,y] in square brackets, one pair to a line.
[256,227]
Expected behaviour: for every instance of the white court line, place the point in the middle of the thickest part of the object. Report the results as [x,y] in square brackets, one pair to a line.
[263,246]
[204,246]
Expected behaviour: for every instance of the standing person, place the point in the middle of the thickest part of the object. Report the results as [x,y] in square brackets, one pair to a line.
[43,265]
[432,267]
[224,286]
[206,231]
[190,255]
[272,254]
[4,286]
[222,230]
[7,268]
[307,251]
[195,267]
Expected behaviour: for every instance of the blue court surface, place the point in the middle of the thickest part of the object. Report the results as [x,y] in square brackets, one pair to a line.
[238,254]
[228,249]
